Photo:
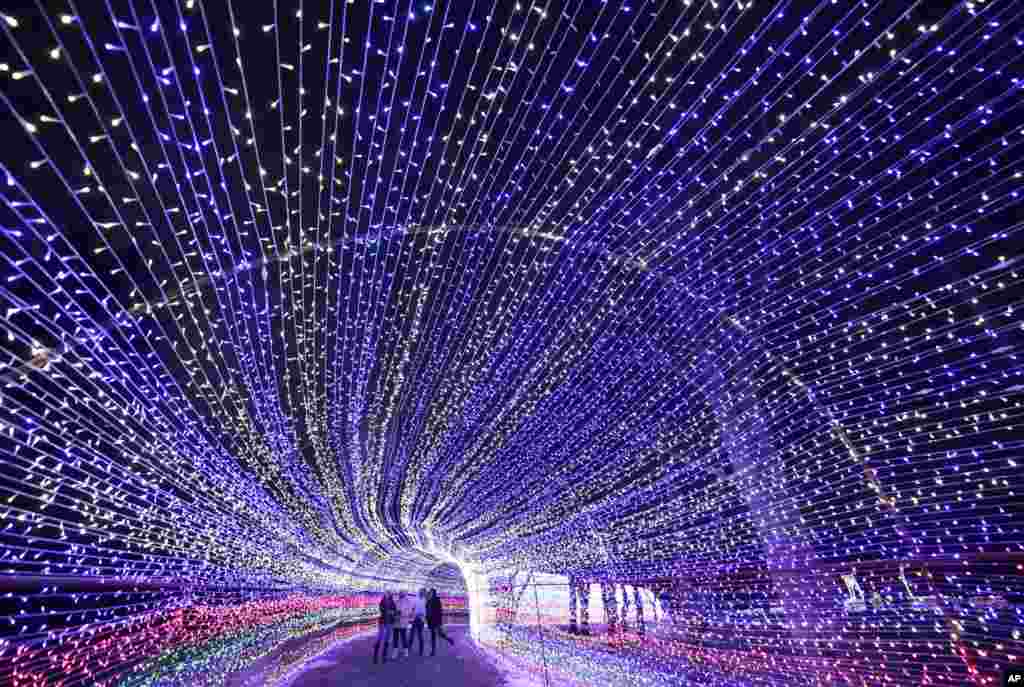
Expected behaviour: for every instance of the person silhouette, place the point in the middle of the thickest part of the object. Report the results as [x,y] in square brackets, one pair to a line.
[385,625]
[419,616]
[405,626]
[402,616]
[435,620]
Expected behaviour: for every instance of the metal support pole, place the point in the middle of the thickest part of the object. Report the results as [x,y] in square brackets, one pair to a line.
[573,627]
[540,628]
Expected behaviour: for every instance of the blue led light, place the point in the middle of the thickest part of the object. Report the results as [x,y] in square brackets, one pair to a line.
[694,326]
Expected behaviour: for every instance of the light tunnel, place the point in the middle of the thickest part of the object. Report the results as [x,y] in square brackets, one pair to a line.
[673,342]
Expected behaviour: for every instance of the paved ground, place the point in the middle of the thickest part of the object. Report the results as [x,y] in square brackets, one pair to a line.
[351,665]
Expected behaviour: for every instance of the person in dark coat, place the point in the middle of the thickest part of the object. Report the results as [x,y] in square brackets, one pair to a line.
[385,623]
[435,618]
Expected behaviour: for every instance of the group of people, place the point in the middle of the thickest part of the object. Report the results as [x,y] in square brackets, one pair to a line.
[405,617]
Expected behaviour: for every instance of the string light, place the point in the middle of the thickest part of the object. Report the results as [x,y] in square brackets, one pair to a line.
[670,341]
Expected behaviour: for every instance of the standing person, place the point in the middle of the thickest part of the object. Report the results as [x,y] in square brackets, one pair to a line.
[408,608]
[419,616]
[385,624]
[435,618]
[667,606]
[399,627]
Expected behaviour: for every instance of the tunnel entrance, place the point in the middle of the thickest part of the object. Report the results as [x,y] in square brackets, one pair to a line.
[446,579]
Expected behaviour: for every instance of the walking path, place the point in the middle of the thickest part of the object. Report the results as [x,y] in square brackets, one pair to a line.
[351,664]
